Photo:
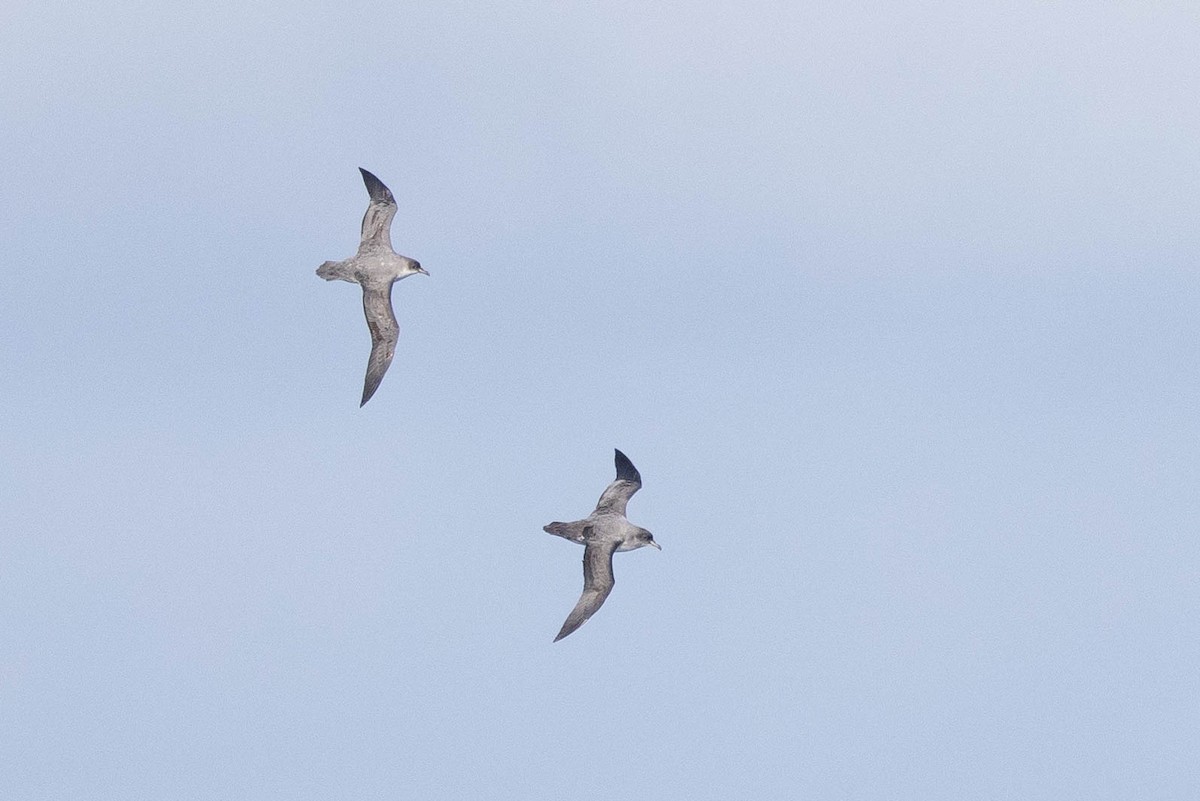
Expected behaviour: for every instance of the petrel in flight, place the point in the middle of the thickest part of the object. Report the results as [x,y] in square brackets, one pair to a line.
[602,533]
[375,267]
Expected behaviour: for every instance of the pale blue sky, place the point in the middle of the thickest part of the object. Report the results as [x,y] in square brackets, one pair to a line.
[895,307]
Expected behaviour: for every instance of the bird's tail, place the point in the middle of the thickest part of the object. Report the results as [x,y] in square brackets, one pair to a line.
[568,531]
[335,271]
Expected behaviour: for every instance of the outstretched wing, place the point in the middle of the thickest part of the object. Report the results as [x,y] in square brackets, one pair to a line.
[377,305]
[377,222]
[617,494]
[597,584]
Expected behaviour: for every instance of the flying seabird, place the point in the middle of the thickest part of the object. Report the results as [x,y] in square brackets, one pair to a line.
[602,533]
[375,267]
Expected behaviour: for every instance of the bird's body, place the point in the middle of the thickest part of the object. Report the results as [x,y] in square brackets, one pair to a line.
[375,267]
[602,533]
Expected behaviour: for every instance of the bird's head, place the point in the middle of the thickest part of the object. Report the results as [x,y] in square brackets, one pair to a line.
[414,266]
[645,538]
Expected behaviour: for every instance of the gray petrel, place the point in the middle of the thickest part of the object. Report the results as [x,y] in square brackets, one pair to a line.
[375,267]
[604,532]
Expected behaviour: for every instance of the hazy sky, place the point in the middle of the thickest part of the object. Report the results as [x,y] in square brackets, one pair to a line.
[894,306]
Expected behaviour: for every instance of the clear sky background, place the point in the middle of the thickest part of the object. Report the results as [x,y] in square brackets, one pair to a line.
[895,307]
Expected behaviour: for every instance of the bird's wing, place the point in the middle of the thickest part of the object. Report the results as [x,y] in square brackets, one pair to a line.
[377,305]
[617,494]
[597,584]
[377,222]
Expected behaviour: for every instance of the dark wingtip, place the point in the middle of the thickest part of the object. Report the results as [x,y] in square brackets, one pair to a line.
[369,388]
[625,469]
[375,187]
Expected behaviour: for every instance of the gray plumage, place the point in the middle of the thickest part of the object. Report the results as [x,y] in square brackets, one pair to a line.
[375,267]
[602,533]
